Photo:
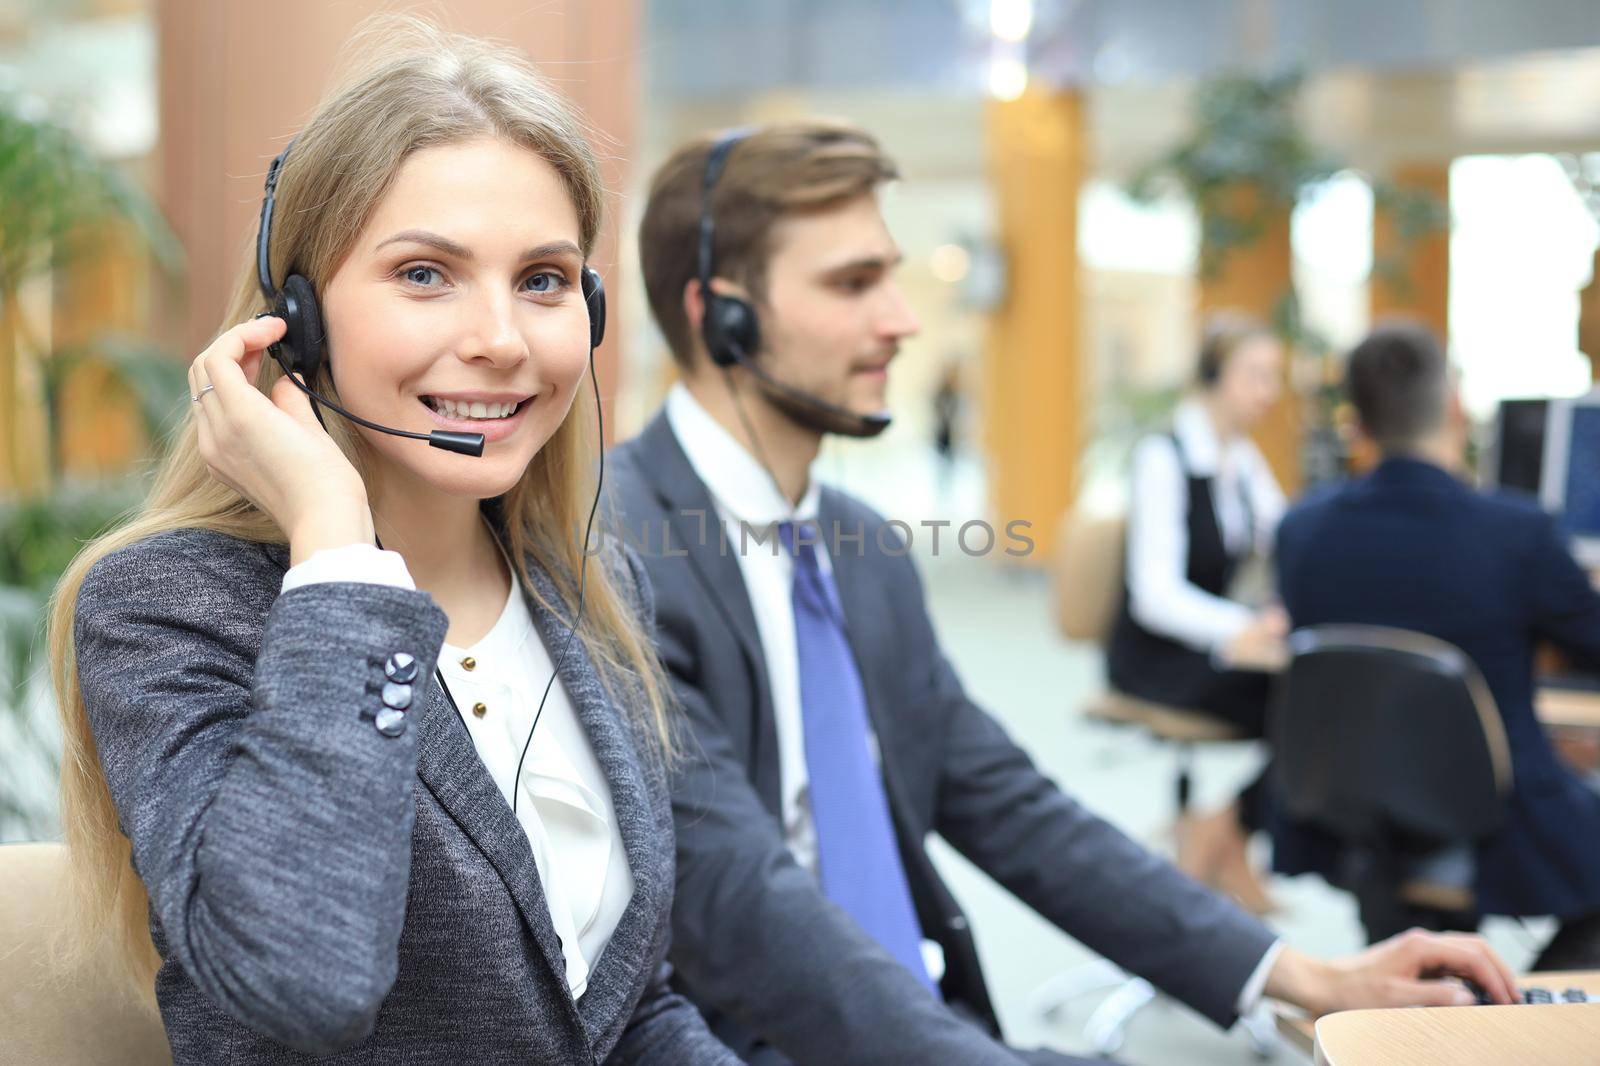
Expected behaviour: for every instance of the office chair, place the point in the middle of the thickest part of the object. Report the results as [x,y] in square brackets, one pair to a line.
[1088,580]
[87,1017]
[1389,741]
[1088,592]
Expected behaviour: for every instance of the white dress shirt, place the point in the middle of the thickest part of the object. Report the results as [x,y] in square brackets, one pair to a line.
[1160,596]
[741,490]
[565,803]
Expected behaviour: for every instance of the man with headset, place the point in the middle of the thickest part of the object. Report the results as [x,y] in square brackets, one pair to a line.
[827,735]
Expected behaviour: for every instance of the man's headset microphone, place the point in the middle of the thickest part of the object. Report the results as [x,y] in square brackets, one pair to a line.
[301,353]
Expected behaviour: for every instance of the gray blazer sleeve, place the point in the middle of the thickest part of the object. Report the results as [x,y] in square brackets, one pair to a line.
[270,821]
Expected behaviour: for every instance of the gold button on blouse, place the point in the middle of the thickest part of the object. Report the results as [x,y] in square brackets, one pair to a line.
[469,663]
[480,709]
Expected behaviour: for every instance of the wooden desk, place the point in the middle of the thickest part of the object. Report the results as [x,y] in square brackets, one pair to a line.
[1571,719]
[1442,1032]
[1567,708]
[1558,706]
[1461,1036]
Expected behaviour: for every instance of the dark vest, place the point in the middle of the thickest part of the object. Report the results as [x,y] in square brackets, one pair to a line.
[1153,667]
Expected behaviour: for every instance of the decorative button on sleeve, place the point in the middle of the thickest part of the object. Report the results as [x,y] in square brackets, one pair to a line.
[401,668]
[390,719]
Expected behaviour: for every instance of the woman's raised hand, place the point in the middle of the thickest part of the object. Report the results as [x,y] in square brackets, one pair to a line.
[273,451]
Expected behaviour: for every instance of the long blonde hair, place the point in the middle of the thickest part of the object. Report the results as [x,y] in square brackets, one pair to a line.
[409,86]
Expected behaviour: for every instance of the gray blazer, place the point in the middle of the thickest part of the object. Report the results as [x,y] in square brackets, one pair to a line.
[820,990]
[318,887]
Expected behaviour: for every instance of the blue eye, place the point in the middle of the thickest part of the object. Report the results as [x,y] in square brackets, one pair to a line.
[546,281]
[419,274]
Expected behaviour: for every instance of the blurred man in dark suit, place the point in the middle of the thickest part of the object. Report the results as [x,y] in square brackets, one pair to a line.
[1412,546]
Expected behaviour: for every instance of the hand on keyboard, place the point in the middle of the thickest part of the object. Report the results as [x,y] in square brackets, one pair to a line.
[1542,996]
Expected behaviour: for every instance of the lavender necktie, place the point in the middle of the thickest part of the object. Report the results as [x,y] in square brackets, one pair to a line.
[858,858]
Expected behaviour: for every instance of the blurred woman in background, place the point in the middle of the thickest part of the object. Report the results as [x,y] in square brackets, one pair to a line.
[1202,503]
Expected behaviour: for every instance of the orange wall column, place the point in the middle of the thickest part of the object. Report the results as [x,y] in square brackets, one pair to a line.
[1419,285]
[1034,375]
[1255,278]
[1589,319]
[97,298]
[21,420]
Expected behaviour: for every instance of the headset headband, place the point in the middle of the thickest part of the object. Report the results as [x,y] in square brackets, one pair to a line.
[715,162]
[264,233]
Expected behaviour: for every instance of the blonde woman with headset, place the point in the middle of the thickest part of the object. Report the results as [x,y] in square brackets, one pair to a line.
[307,845]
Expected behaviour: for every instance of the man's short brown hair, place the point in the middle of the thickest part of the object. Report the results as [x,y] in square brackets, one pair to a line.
[776,170]
[1399,381]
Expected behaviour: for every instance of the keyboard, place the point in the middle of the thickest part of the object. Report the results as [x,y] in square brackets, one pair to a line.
[1544,996]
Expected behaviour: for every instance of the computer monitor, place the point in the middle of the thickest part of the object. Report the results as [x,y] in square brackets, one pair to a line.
[1515,456]
[1570,481]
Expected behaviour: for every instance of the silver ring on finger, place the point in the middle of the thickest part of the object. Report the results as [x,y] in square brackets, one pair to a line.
[202,392]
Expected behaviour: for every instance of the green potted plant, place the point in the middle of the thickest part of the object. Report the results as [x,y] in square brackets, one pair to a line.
[56,202]
[1247,161]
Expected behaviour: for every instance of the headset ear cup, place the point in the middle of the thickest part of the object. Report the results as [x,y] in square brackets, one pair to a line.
[739,325]
[730,329]
[712,336]
[297,306]
[594,295]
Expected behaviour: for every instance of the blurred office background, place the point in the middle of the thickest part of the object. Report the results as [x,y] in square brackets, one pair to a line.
[1082,180]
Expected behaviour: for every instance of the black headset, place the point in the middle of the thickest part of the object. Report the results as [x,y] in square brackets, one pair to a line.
[728,325]
[302,350]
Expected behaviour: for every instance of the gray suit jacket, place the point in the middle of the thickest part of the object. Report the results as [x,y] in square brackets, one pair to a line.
[754,941]
[318,887]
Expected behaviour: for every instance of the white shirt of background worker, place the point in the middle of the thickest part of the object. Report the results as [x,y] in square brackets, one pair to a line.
[1212,426]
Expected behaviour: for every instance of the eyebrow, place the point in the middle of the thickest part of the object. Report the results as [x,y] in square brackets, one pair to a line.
[460,251]
[881,262]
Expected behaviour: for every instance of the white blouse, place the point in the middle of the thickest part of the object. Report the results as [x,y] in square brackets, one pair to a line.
[1160,596]
[565,801]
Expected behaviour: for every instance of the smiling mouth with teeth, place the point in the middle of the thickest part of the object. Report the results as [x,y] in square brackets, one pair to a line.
[485,412]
